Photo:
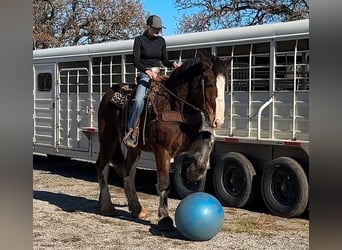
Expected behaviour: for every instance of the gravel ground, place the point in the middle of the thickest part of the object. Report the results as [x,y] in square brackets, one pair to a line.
[66,216]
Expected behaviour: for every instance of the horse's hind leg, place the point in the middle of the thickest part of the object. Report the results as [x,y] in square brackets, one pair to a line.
[105,204]
[129,173]
[162,157]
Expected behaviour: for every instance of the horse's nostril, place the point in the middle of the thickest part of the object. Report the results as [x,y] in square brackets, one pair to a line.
[217,123]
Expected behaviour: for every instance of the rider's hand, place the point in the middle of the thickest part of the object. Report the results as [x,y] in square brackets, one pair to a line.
[175,65]
[151,74]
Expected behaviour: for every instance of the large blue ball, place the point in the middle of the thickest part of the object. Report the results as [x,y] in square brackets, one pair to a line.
[199,216]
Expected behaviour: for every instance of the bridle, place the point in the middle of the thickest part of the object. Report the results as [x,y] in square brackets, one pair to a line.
[202,81]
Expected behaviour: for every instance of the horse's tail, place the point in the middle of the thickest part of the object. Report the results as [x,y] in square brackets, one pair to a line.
[110,133]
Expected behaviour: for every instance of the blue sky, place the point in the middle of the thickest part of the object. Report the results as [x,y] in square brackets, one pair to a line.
[167,11]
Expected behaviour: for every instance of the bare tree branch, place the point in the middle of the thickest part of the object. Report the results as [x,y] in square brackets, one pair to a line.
[74,22]
[218,14]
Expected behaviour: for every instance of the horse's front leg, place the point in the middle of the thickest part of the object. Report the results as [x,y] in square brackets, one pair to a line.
[162,157]
[129,173]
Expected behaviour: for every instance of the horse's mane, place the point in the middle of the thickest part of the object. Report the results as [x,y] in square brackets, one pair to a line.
[180,74]
[219,67]
[183,69]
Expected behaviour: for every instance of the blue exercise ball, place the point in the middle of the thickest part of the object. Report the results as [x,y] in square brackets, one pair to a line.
[199,216]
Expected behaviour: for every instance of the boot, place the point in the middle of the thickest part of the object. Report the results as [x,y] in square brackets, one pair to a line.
[131,137]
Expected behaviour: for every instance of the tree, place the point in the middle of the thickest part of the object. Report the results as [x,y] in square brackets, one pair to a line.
[219,14]
[58,23]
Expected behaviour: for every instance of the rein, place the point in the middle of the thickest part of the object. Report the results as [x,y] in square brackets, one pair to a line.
[205,126]
[184,101]
[202,82]
[180,99]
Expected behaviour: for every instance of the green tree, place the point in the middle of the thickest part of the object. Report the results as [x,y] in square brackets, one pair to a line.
[219,14]
[58,23]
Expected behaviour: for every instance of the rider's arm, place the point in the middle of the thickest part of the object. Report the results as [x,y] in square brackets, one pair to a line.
[137,55]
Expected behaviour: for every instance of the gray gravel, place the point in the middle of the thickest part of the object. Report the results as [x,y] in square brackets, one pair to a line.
[65,216]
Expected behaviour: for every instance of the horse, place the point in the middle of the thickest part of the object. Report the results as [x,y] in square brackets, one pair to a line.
[180,112]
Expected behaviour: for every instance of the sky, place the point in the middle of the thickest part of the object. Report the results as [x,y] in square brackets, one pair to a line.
[167,11]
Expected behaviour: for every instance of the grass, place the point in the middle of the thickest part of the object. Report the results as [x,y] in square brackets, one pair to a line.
[251,225]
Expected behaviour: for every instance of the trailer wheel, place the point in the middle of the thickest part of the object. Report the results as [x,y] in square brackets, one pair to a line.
[285,188]
[183,186]
[233,180]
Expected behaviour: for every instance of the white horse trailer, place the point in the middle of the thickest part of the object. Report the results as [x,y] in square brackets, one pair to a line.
[264,142]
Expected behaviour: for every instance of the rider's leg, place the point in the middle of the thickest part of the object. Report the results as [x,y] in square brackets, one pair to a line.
[136,110]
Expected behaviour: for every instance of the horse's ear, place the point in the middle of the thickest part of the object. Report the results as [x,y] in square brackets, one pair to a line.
[205,60]
[228,61]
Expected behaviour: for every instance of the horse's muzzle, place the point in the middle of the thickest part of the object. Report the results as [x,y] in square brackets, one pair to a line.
[217,123]
[204,145]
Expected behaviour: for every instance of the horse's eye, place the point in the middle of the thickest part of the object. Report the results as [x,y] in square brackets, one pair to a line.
[209,84]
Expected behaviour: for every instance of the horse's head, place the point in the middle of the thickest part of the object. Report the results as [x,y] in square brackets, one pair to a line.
[200,84]
[208,89]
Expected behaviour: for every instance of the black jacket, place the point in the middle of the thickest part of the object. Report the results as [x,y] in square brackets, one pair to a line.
[149,51]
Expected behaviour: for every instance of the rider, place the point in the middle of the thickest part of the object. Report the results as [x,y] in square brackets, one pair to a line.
[149,53]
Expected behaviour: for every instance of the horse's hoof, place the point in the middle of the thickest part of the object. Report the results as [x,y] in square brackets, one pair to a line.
[142,214]
[109,213]
[166,224]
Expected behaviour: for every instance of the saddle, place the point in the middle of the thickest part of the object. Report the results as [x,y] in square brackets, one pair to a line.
[122,94]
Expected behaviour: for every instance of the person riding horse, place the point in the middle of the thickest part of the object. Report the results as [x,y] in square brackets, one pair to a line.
[149,52]
[185,108]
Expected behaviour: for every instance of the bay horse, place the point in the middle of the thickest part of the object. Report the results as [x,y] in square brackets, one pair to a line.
[182,108]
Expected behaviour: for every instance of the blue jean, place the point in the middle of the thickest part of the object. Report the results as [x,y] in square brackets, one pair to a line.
[137,105]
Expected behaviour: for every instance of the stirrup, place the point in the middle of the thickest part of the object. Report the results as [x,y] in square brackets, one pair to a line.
[127,134]
[129,141]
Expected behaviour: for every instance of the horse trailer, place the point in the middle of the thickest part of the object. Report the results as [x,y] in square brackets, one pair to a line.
[262,149]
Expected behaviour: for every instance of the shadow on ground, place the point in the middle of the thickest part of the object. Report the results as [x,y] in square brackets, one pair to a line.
[145,179]
[72,204]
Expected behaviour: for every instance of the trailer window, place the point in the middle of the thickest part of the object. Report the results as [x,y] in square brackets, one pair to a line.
[73,80]
[107,70]
[130,73]
[292,65]
[44,81]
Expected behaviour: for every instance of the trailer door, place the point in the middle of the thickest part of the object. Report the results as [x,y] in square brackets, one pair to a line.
[44,105]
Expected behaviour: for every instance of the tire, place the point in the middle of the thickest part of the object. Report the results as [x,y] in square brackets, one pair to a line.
[183,186]
[285,188]
[233,180]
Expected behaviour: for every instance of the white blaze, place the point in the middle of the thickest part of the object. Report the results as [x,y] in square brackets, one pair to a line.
[220,84]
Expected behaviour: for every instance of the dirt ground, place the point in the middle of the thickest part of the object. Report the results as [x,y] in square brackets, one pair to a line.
[66,216]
